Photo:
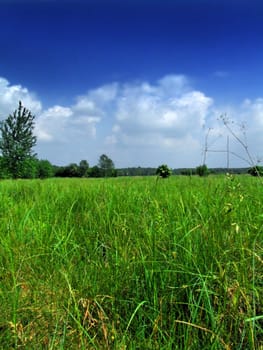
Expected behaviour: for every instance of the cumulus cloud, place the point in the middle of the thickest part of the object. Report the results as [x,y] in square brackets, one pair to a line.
[167,109]
[10,95]
[51,123]
[253,110]
[64,123]
[57,123]
[137,123]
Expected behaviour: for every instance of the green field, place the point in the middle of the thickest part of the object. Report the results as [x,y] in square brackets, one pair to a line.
[132,263]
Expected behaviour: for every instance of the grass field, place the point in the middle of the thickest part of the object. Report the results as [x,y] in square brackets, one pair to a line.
[132,263]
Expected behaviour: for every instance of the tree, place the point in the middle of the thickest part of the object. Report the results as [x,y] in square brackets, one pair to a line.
[107,166]
[202,170]
[163,171]
[83,168]
[95,171]
[45,169]
[72,170]
[17,140]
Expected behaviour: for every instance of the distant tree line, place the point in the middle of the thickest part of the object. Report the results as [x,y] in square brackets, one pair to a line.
[136,171]
[212,171]
[18,160]
[104,168]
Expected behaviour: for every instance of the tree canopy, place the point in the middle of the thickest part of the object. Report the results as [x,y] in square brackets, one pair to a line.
[106,166]
[202,170]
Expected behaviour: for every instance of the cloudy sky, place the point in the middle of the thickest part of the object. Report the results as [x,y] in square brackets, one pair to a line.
[144,81]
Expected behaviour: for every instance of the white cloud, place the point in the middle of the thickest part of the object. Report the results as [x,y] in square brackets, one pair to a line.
[10,95]
[144,110]
[104,94]
[253,110]
[52,123]
[84,104]
[138,123]
[173,85]
[63,124]
[56,125]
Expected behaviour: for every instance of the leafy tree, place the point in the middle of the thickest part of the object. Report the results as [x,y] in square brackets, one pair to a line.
[163,171]
[17,141]
[71,170]
[45,169]
[202,170]
[59,171]
[256,171]
[83,168]
[95,171]
[107,166]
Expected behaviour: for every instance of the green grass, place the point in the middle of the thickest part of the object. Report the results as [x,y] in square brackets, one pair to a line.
[131,263]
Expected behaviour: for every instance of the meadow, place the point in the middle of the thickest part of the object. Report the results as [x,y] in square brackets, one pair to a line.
[132,263]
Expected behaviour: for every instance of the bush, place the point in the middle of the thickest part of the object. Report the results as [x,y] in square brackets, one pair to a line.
[163,171]
[256,171]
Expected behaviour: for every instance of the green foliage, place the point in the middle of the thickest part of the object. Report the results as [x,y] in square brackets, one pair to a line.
[71,170]
[106,166]
[59,171]
[163,171]
[202,170]
[95,171]
[136,171]
[45,169]
[4,174]
[83,168]
[17,142]
[29,168]
[256,171]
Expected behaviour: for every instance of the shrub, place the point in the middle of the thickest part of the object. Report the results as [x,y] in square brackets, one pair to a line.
[256,171]
[163,171]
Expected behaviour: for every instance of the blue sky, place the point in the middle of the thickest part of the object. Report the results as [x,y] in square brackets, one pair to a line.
[141,81]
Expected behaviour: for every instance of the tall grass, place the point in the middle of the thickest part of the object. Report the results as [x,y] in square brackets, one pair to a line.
[131,263]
